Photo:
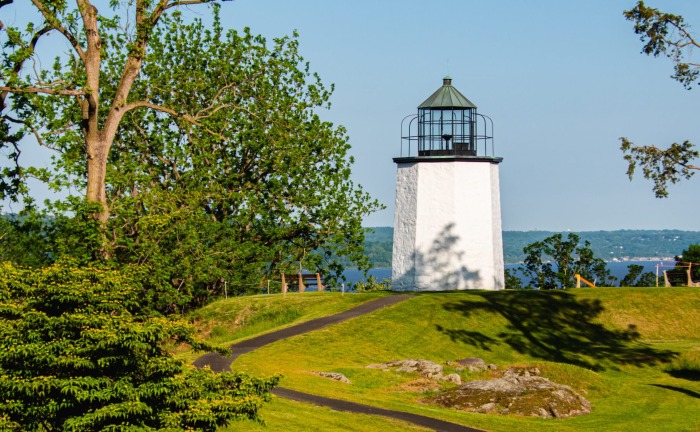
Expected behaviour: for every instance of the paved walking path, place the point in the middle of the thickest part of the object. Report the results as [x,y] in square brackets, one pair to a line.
[219,363]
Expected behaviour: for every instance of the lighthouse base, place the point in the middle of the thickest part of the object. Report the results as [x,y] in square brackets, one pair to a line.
[447,225]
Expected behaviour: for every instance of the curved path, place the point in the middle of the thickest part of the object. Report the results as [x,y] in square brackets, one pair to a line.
[219,363]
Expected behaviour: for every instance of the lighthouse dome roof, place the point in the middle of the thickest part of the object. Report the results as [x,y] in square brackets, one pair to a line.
[447,97]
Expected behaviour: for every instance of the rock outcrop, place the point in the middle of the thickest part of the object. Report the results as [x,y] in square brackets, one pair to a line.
[521,391]
[335,376]
[426,368]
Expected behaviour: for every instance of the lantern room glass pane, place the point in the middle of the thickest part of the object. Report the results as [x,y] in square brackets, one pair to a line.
[443,132]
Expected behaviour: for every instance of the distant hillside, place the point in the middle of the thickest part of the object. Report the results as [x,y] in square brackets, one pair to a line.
[609,245]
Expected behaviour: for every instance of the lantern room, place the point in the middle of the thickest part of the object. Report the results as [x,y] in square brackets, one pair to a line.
[447,124]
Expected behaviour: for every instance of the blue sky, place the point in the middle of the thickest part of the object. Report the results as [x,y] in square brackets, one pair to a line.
[562,80]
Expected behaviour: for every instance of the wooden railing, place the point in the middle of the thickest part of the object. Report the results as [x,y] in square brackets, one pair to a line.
[579,279]
[301,280]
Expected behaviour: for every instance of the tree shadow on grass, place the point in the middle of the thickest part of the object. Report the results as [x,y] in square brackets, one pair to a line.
[555,326]
[469,337]
[690,374]
[687,392]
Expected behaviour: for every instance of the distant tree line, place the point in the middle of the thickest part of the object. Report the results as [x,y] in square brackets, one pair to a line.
[606,245]
[558,263]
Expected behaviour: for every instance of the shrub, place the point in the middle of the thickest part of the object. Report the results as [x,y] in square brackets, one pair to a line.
[371,284]
[78,353]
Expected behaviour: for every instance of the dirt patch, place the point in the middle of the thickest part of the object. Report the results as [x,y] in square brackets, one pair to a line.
[420,385]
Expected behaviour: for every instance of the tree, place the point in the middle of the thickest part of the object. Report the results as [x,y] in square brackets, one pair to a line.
[636,278]
[690,256]
[99,112]
[669,35]
[512,281]
[553,262]
[220,172]
[78,353]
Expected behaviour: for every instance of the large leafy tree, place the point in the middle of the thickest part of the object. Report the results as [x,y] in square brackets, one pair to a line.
[78,79]
[553,262]
[219,172]
[79,353]
[664,34]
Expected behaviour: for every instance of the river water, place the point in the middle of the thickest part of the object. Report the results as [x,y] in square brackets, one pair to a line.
[617,269]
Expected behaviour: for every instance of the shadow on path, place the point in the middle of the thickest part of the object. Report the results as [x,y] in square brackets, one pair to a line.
[555,326]
[219,363]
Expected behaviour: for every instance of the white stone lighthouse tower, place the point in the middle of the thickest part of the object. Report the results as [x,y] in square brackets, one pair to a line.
[447,225]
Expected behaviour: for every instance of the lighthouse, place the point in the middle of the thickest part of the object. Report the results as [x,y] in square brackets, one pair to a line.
[447,221]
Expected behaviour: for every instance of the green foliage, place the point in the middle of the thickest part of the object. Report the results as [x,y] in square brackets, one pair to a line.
[662,166]
[377,247]
[636,278]
[690,256]
[664,34]
[221,173]
[38,238]
[553,262]
[77,354]
[371,284]
[512,281]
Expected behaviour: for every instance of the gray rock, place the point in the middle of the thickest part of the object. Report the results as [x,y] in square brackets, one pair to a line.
[426,368]
[487,408]
[335,376]
[521,371]
[452,378]
[520,391]
[473,364]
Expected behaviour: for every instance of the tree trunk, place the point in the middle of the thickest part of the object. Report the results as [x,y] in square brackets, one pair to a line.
[97,151]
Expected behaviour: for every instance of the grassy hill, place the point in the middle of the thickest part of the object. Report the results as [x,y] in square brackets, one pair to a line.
[634,353]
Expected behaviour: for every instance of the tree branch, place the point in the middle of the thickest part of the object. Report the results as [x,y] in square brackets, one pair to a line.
[64,92]
[55,24]
[668,34]
[662,166]
[188,2]
[187,117]
[18,65]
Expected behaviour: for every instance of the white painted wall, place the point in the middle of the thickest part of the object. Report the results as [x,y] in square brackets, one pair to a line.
[447,227]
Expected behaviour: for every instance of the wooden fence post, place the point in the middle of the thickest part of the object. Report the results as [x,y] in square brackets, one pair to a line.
[318,282]
[302,287]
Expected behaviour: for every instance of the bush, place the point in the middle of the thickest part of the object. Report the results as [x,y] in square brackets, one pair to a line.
[371,284]
[78,353]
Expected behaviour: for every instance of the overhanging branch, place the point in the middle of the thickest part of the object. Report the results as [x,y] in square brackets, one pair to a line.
[63,92]
[55,23]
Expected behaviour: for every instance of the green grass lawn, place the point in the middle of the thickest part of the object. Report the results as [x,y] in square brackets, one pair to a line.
[282,415]
[634,353]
